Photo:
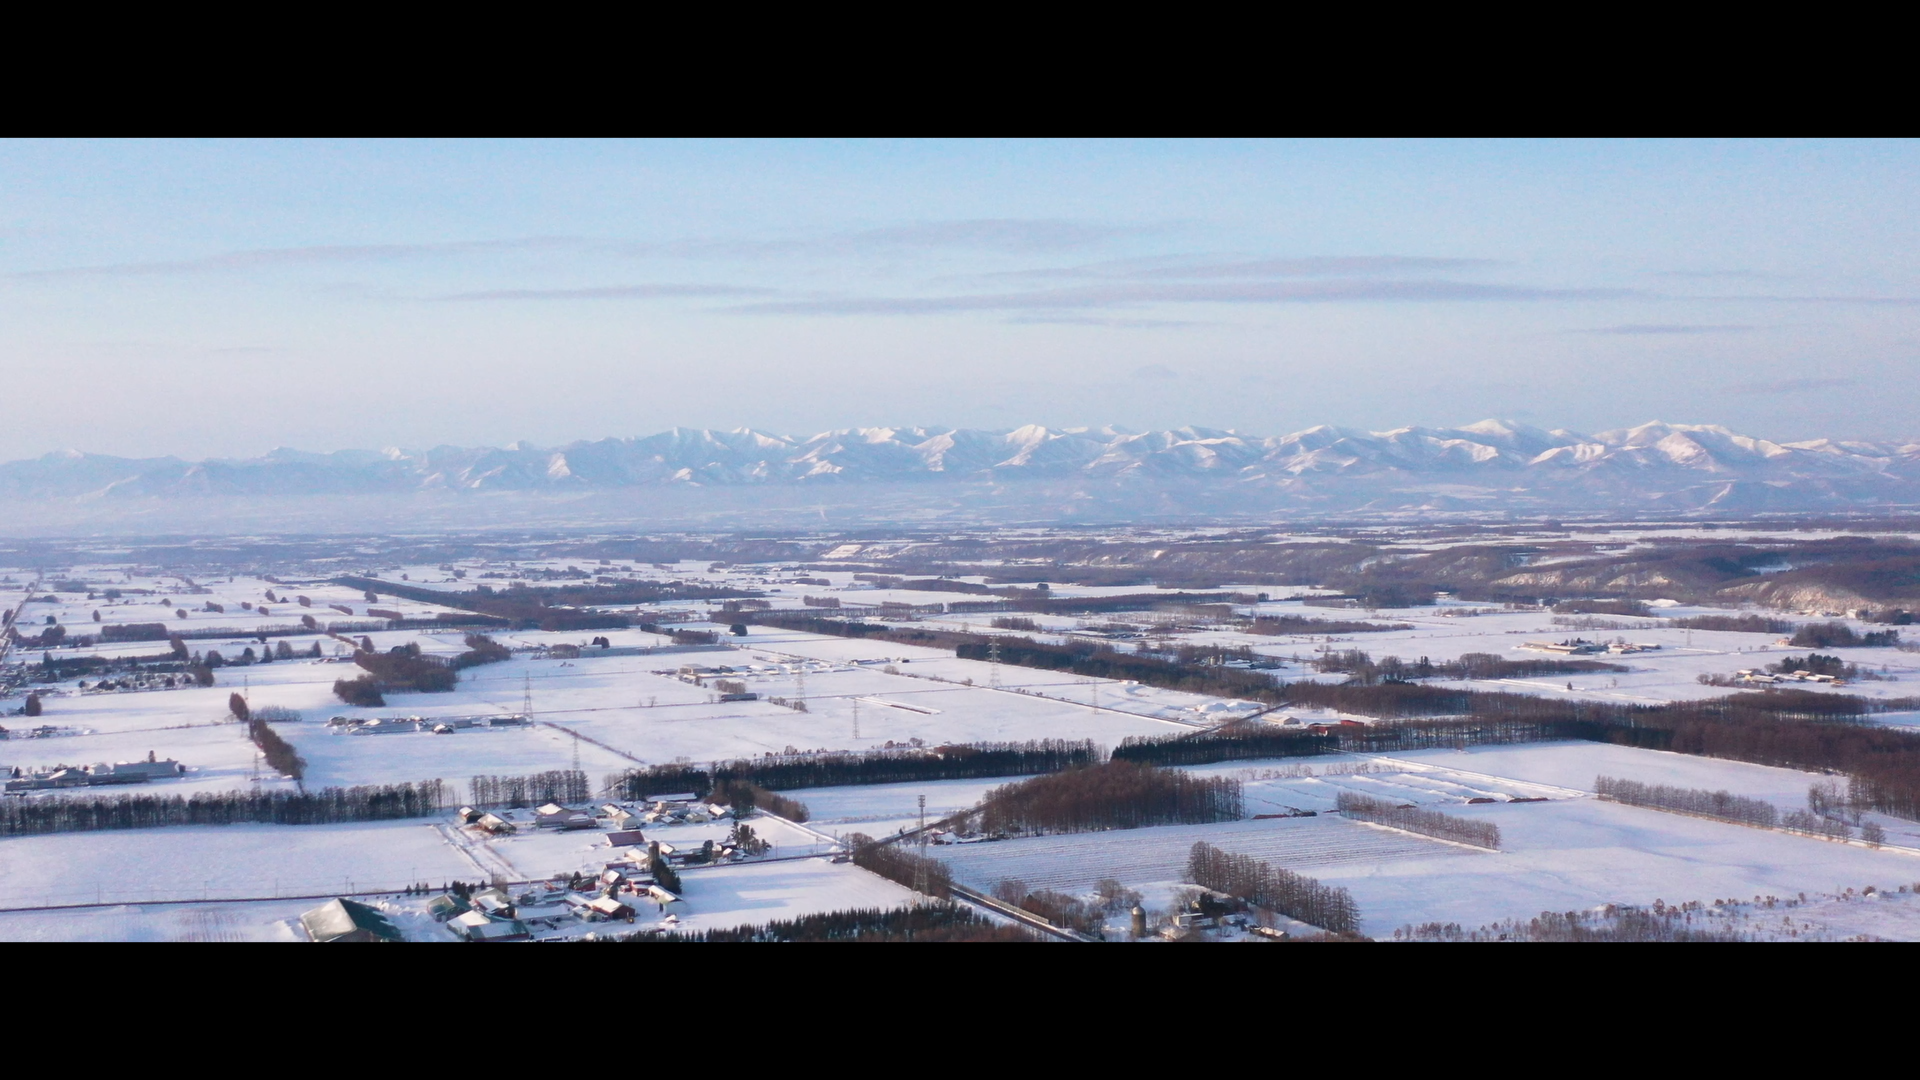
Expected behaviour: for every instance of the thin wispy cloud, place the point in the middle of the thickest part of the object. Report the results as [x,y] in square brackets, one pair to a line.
[610,292]
[1011,236]
[1708,275]
[1792,386]
[1657,329]
[1007,236]
[1099,320]
[316,255]
[1109,295]
[1241,268]
[1869,301]
[1201,268]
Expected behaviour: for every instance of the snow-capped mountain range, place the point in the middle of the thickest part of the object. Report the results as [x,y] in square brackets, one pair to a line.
[1491,464]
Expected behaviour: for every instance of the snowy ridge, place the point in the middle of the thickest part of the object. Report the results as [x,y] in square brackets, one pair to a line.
[1493,461]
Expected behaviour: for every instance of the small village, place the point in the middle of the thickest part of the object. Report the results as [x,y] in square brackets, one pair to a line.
[634,875]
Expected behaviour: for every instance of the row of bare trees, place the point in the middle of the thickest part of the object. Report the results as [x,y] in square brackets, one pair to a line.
[953,761]
[1714,804]
[1117,795]
[328,806]
[280,754]
[1264,885]
[921,923]
[1610,924]
[1416,820]
[902,866]
[555,786]
[745,797]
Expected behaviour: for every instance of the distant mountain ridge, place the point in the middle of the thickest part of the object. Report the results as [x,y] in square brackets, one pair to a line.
[1491,464]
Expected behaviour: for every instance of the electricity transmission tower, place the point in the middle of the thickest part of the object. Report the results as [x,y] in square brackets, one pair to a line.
[800,683]
[856,719]
[526,696]
[920,868]
[993,658]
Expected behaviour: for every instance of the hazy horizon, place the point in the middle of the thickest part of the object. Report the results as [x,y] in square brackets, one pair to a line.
[220,299]
[802,436]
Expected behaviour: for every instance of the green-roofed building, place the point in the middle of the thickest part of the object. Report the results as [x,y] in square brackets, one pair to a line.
[348,920]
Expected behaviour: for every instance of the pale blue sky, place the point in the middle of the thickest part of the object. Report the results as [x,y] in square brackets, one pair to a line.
[225,298]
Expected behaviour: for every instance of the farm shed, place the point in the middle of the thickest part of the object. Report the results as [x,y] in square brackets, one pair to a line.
[347,920]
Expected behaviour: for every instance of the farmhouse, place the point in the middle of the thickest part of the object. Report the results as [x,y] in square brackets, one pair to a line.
[474,926]
[1575,647]
[555,816]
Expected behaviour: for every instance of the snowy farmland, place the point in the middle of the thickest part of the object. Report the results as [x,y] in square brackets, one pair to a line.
[650,699]
[1569,852]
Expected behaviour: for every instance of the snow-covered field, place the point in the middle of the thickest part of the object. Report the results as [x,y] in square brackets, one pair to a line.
[1141,857]
[609,713]
[193,861]
[1571,853]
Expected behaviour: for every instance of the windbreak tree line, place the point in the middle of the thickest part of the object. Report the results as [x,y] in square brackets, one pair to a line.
[1101,661]
[1748,623]
[405,667]
[1838,635]
[481,649]
[745,797]
[1362,670]
[1238,743]
[901,866]
[1714,804]
[1058,908]
[1622,924]
[1117,795]
[1302,624]
[566,607]
[1790,728]
[1265,885]
[923,923]
[280,754]
[959,761]
[555,786]
[329,806]
[1416,820]
[1041,604]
